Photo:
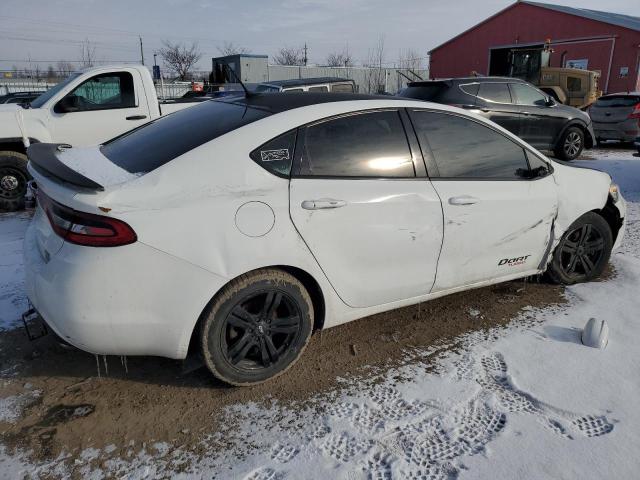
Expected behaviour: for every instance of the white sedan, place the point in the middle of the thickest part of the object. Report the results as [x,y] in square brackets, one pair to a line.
[237,227]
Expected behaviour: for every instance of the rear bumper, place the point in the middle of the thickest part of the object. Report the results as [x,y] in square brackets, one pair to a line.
[131,300]
[624,131]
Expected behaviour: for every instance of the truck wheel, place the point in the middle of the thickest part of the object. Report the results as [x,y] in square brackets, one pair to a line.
[583,251]
[13,180]
[256,327]
[570,144]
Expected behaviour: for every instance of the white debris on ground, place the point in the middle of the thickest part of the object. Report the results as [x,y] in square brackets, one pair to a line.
[527,401]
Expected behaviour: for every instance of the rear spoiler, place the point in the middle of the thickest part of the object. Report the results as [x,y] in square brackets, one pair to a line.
[43,158]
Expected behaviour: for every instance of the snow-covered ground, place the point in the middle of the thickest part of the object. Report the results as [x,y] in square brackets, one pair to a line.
[527,401]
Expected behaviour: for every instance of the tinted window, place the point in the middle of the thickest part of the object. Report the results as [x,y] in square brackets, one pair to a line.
[617,101]
[154,144]
[110,90]
[322,88]
[363,145]
[464,148]
[495,92]
[430,91]
[342,87]
[276,155]
[294,90]
[526,95]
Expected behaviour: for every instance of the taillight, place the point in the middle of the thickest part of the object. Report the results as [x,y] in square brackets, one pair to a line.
[85,229]
[636,111]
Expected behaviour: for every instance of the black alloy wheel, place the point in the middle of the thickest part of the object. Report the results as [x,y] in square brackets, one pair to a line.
[256,327]
[583,251]
[260,328]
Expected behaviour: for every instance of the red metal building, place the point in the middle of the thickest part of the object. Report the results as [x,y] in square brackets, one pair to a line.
[601,41]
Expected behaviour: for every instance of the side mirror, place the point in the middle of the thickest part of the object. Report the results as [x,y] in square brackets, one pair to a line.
[68,104]
[550,102]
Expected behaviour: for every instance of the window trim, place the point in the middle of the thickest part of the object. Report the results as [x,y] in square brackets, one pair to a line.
[301,137]
[136,102]
[433,167]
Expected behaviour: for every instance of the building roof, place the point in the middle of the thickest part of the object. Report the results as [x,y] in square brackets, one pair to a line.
[296,82]
[618,19]
[626,21]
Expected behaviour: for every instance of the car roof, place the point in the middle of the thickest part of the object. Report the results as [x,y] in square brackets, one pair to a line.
[467,80]
[296,82]
[283,101]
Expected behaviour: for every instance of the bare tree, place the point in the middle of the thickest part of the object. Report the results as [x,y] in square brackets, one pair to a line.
[289,56]
[230,48]
[375,75]
[340,59]
[87,54]
[179,58]
[51,72]
[410,59]
[64,68]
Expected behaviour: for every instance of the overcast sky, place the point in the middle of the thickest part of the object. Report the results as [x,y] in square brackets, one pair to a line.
[48,31]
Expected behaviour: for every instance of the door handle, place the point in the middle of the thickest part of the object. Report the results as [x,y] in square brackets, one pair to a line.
[136,117]
[463,200]
[322,204]
[526,113]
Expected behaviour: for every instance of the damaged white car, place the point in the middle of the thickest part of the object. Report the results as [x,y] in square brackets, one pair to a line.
[237,227]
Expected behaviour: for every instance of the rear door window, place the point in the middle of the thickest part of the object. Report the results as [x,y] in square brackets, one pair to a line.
[495,92]
[154,144]
[322,88]
[370,144]
[463,148]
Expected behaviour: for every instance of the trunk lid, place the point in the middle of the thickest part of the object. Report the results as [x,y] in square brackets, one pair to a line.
[613,108]
[76,178]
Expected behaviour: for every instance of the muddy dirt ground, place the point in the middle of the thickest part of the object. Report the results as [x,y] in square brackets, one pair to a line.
[153,400]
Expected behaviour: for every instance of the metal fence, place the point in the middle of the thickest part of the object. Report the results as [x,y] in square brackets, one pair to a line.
[368,79]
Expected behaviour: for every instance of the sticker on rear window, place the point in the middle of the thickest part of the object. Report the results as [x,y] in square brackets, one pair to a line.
[274,155]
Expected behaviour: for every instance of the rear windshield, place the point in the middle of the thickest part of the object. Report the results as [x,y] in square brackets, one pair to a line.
[618,101]
[154,144]
[424,92]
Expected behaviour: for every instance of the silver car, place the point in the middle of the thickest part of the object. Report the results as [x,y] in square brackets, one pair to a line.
[616,117]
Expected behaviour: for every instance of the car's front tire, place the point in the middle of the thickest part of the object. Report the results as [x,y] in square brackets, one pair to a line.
[570,144]
[583,251]
[13,180]
[256,327]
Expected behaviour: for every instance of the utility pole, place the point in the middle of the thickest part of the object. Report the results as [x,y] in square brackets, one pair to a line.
[305,54]
[141,51]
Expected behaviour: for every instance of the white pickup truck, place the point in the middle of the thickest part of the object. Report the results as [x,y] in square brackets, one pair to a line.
[88,108]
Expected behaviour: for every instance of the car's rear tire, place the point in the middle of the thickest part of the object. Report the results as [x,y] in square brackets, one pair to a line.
[256,327]
[570,144]
[13,180]
[583,251]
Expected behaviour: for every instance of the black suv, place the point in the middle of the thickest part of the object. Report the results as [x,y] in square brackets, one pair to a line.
[517,106]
